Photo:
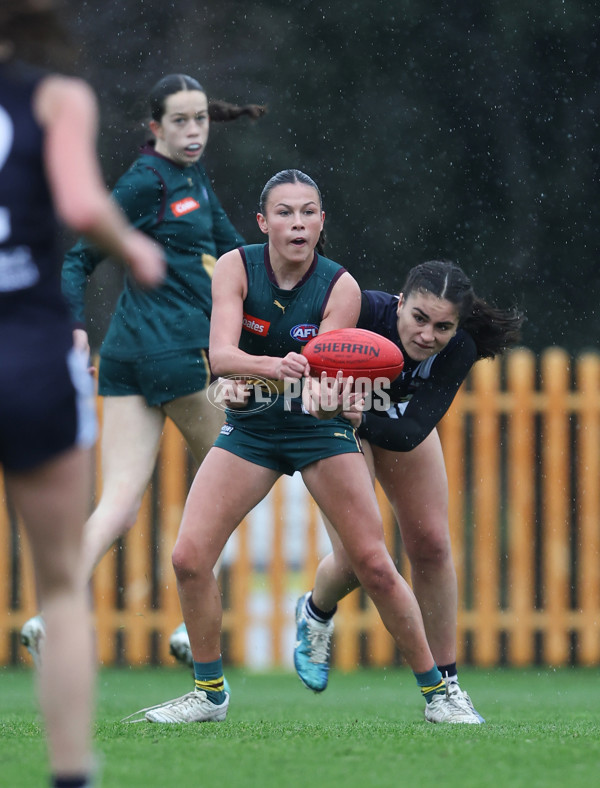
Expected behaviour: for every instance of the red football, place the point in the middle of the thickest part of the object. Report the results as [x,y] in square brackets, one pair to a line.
[356,351]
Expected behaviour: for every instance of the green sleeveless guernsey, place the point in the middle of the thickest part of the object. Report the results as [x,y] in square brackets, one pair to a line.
[277,322]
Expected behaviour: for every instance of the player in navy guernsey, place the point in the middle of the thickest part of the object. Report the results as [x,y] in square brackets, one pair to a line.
[282,284]
[442,328]
[49,171]
[426,387]
[154,358]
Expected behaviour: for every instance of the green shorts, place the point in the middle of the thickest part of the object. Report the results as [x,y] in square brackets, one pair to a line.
[158,379]
[290,450]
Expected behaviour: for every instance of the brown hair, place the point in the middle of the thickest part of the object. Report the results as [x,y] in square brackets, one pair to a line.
[493,329]
[217,110]
[292,176]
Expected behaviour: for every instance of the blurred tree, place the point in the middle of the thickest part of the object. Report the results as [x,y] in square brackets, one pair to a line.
[461,130]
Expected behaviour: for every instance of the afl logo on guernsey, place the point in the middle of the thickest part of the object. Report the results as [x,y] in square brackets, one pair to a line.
[304,331]
[184,206]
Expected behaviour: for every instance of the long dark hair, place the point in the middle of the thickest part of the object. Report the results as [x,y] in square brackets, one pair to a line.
[291,176]
[493,329]
[217,110]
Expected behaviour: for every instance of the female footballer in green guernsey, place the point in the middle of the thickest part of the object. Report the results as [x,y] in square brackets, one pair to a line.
[154,358]
[442,329]
[261,294]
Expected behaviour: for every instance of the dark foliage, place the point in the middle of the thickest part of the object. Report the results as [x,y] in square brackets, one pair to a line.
[435,130]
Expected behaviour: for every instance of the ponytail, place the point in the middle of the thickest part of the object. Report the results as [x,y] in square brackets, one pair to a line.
[217,110]
[493,330]
[223,110]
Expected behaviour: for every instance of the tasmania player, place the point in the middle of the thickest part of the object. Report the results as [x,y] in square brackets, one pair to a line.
[154,359]
[279,285]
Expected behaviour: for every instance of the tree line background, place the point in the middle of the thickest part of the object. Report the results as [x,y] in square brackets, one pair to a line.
[462,130]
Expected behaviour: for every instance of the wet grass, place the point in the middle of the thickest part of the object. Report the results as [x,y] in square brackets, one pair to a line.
[367,729]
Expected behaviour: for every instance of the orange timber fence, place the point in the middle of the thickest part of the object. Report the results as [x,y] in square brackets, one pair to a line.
[522,450]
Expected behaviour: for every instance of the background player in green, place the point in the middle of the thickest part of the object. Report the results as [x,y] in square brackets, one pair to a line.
[256,291]
[154,361]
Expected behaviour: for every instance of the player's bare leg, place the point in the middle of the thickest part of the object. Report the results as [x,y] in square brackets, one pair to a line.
[415,483]
[199,421]
[207,523]
[342,488]
[54,502]
[131,433]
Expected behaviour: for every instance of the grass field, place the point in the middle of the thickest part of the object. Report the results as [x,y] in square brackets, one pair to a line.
[542,729]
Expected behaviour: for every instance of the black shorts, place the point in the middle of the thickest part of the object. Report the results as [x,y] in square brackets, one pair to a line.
[45,409]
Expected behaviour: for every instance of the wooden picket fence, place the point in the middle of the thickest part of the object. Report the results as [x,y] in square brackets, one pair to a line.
[522,449]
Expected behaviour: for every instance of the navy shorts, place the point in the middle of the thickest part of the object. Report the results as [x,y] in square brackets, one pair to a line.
[45,409]
[158,379]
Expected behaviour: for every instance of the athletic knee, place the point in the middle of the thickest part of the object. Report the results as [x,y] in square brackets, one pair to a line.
[189,564]
[182,566]
[62,575]
[431,550]
[377,574]
[116,514]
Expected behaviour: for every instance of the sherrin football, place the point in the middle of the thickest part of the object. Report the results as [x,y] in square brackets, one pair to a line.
[355,351]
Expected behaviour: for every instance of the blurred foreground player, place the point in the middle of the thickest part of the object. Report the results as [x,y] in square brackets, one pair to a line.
[49,169]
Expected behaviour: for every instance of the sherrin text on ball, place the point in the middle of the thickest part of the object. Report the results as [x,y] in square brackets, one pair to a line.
[356,352]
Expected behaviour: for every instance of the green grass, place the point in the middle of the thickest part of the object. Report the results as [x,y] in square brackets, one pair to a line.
[543,729]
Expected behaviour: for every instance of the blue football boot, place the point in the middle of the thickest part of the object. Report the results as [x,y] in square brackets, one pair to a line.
[311,652]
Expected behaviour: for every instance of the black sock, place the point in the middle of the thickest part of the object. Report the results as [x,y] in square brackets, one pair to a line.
[449,672]
[82,781]
[319,615]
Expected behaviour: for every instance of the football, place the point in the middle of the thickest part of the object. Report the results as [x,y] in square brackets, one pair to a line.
[357,352]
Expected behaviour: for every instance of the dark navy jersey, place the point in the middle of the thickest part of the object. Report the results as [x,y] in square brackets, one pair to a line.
[47,402]
[33,313]
[423,392]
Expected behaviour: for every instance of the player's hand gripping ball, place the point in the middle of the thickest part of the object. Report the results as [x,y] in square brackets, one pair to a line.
[356,352]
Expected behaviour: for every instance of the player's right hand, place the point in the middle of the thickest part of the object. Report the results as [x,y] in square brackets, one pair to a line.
[294,365]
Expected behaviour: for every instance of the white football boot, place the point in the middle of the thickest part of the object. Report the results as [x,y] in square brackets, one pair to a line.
[445,708]
[193,707]
[33,633]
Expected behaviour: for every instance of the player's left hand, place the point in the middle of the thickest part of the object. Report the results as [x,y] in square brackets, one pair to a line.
[355,412]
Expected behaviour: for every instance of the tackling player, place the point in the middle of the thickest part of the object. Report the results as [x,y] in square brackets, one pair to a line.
[442,329]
